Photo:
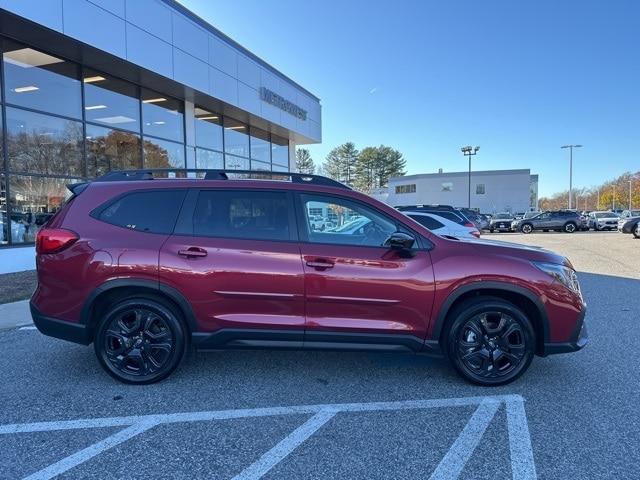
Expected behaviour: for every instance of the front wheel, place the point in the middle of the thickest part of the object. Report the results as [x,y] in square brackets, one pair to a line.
[636,231]
[140,340]
[490,341]
[526,228]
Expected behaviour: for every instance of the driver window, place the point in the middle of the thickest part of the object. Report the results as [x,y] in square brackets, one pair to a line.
[341,221]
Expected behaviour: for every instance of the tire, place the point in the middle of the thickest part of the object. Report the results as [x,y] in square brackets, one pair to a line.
[491,230]
[140,340]
[514,342]
[526,228]
[636,231]
[545,230]
[569,227]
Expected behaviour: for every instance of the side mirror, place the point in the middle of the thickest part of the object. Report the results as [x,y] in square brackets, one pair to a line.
[399,241]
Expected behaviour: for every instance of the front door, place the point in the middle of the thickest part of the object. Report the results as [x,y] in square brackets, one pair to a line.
[235,258]
[357,290]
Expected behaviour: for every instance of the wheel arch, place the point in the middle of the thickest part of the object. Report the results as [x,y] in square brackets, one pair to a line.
[522,297]
[116,289]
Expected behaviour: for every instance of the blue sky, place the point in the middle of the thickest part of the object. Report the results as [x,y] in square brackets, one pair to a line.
[518,78]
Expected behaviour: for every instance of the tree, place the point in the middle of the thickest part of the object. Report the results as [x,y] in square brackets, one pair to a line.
[341,163]
[376,165]
[304,162]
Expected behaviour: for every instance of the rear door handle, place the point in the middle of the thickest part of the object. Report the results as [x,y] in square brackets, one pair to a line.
[193,252]
[320,264]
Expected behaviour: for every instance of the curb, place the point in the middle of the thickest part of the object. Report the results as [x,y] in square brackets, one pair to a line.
[15,314]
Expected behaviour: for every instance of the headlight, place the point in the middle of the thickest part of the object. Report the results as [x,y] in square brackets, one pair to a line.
[565,275]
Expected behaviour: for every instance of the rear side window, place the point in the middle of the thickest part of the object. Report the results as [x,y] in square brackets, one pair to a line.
[449,216]
[242,214]
[430,223]
[153,212]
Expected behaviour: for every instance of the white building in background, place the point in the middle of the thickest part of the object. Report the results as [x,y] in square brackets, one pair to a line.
[492,191]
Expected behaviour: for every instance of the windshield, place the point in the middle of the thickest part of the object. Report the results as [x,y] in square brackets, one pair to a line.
[503,216]
[606,215]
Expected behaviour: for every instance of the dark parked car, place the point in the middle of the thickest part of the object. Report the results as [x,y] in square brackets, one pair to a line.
[501,222]
[629,222]
[480,221]
[559,220]
[145,267]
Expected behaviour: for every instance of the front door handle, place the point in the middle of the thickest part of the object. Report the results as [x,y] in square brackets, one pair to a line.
[320,264]
[193,252]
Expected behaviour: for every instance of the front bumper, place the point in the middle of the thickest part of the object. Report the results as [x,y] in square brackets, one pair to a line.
[72,332]
[579,339]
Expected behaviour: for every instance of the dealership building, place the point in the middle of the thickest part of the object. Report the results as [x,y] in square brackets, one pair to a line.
[492,191]
[94,85]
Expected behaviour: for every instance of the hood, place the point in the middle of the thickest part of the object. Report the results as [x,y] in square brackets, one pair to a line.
[527,252]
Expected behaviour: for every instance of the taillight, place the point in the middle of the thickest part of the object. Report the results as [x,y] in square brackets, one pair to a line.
[475,233]
[53,240]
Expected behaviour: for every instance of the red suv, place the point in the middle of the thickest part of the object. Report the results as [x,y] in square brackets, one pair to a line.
[144,267]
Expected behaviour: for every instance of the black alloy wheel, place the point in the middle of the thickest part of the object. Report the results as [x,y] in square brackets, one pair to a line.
[140,341]
[526,228]
[491,341]
[570,227]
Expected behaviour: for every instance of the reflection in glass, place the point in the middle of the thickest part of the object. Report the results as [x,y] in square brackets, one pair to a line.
[4,221]
[236,163]
[40,81]
[109,149]
[163,154]
[260,165]
[279,168]
[208,159]
[110,101]
[236,138]
[279,150]
[208,128]
[33,201]
[39,143]
[162,116]
[260,149]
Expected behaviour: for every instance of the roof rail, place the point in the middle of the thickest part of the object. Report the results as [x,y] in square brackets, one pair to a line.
[219,174]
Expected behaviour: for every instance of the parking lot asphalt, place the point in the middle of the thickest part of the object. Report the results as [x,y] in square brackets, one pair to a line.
[343,415]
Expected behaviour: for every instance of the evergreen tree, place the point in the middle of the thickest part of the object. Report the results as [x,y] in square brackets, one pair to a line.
[341,163]
[304,162]
[376,165]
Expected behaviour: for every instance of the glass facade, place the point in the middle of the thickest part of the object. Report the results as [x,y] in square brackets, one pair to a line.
[63,123]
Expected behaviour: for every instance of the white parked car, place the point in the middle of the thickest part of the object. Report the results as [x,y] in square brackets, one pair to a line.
[442,226]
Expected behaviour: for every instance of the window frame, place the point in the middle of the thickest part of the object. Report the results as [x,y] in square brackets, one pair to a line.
[421,242]
[185,223]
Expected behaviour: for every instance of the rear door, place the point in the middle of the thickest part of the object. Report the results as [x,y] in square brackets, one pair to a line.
[235,257]
[357,290]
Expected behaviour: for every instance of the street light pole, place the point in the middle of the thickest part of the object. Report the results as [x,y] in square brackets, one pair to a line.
[630,179]
[570,147]
[468,151]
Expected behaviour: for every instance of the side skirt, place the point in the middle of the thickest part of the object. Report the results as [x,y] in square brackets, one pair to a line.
[229,339]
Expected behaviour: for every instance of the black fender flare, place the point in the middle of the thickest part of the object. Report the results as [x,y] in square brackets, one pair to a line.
[162,289]
[489,285]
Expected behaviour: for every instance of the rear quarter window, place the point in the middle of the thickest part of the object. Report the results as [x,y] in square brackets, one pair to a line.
[152,211]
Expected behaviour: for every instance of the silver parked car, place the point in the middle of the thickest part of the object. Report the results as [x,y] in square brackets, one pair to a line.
[603,221]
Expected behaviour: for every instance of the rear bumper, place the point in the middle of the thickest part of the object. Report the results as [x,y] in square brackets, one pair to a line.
[72,332]
[579,339]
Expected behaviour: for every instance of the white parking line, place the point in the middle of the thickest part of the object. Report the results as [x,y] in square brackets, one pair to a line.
[462,449]
[522,464]
[285,447]
[91,451]
[29,327]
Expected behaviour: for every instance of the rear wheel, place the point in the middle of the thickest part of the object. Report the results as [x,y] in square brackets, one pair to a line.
[140,340]
[490,341]
[526,228]
[636,231]
[570,227]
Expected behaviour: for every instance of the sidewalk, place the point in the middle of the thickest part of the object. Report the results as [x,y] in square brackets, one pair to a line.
[15,314]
